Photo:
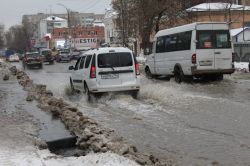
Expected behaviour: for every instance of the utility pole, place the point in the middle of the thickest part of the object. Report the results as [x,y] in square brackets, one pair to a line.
[123,24]
[68,20]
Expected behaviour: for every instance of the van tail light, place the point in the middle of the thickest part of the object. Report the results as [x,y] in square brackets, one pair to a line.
[93,72]
[194,59]
[233,56]
[137,71]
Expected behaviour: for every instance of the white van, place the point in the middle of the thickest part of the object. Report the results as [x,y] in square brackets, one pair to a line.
[105,70]
[197,49]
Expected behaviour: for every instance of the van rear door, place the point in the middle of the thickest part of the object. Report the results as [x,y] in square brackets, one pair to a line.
[115,69]
[223,51]
[205,49]
[213,49]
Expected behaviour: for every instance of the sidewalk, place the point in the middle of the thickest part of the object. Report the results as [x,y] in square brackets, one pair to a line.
[18,132]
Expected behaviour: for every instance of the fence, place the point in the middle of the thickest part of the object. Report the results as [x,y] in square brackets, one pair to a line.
[242,51]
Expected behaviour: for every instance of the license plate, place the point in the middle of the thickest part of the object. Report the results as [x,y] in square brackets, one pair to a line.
[110,76]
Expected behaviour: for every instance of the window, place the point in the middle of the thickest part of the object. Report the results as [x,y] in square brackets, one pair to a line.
[204,40]
[77,64]
[171,43]
[222,40]
[82,62]
[160,45]
[213,39]
[184,41]
[174,42]
[88,58]
[115,60]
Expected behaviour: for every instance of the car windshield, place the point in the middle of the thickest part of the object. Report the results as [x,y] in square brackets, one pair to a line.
[64,52]
[115,60]
[46,52]
[32,55]
[213,39]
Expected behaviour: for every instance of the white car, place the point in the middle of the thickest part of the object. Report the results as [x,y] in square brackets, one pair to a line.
[106,70]
[13,58]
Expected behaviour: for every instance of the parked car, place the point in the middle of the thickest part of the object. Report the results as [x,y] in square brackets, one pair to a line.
[75,55]
[20,56]
[32,59]
[47,55]
[64,55]
[106,70]
[13,58]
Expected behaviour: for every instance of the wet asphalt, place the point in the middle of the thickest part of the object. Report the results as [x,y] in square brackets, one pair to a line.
[198,123]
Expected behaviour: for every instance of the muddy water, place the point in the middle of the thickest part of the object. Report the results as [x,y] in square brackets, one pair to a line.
[196,124]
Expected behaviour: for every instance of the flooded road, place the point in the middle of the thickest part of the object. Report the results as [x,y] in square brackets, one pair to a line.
[194,124]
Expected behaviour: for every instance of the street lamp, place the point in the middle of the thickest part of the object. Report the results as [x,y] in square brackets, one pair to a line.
[68,19]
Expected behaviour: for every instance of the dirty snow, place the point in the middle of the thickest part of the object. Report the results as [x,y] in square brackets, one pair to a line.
[45,158]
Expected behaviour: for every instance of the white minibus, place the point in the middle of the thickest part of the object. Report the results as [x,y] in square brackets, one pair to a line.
[197,49]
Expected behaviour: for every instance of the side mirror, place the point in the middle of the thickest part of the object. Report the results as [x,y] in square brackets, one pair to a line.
[71,68]
[195,41]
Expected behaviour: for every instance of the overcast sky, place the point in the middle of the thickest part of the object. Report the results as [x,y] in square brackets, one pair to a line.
[11,11]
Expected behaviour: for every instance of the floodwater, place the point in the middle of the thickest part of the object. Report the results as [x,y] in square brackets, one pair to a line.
[192,123]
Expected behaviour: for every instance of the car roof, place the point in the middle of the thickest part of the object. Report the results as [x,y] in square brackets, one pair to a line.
[106,50]
[29,53]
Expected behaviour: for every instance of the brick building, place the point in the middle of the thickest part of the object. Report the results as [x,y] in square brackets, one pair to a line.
[220,12]
[79,37]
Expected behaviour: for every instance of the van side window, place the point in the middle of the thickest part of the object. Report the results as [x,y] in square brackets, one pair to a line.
[184,41]
[82,62]
[88,58]
[160,45]
[174,42]
[77,64]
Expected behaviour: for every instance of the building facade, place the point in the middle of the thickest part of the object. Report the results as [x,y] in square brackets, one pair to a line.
[79,37]
[111,30]
[47,26]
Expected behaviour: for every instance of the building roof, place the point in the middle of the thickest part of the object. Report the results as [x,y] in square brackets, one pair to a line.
[54,18]
[216,7]
[237,31]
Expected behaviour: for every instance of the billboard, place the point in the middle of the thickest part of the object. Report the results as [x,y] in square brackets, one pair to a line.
[84,42]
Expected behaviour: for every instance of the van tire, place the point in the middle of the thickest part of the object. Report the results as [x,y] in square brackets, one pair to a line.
[178,75]
[134,94]
[148,73]
[220,77]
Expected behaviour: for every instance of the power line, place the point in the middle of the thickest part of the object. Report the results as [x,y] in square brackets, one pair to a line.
[84,7]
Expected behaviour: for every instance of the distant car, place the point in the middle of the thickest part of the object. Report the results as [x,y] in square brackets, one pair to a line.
[75,55]
[64,56]
[47,55]
[20,56]
[106,70]
[13,58]
[32,59]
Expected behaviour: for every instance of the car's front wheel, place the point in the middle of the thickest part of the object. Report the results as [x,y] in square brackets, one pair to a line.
[135,94]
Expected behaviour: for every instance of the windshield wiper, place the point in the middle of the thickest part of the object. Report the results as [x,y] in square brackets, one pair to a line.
[108,65]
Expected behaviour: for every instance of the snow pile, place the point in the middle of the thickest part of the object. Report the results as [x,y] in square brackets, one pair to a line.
[242,66]
[45,158]
[141,59]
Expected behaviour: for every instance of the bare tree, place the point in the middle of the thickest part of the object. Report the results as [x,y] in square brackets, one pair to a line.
[15,38]
[142,18]
[1,36]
